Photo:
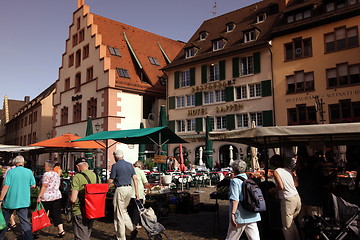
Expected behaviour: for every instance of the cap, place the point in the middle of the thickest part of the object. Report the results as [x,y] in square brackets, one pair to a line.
[80,160]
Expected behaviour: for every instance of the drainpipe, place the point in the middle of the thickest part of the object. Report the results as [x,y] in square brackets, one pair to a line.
[272,78]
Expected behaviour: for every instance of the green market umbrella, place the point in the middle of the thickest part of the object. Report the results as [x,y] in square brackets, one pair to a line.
[163,148]
[89,155]
[208,144]
[142,148]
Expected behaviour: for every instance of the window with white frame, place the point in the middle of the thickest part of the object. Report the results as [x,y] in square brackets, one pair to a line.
[247,65]
[241,92]
[257,118]
[220,95]
[208,97]
[255,90]
[218,44]
[180,101]
[212,123]
[230,27]
[214,72]
[190,100]
[221,122]
[185,78]
[190,52]
[249,36]
[190,125]
[180,126]
[242,120]
[260,17]
[203,35]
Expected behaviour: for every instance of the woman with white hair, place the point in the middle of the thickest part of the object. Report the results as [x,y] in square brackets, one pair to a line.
[240,219]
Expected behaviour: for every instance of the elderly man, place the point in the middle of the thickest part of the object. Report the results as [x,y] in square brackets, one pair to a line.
[240,219]
[15,195]
[82,225]
[121,174]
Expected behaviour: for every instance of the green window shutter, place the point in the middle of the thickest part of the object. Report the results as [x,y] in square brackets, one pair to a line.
[199,125]
[256,57]
[268,118]
[204,74]
[235,67]
[192,76]
[266,88]
[229,94]
[171,125]
[198,98]
[171,102]
[177,80]
[222,67]
[230,122]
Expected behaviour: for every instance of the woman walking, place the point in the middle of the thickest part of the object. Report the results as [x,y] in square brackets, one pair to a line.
[50,196]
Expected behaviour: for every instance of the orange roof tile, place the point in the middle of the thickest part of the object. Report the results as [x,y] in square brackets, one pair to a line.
[144,44]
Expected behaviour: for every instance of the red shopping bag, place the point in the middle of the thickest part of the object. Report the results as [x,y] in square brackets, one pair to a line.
[39,218]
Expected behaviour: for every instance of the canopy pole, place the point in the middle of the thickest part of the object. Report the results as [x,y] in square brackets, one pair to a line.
[266,184]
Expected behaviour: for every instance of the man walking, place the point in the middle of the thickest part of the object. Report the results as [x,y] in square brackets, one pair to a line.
[82,225]
[121,174]
[15,195]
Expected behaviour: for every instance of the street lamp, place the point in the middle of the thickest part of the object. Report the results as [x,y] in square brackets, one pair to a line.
[97,127]
[319,107]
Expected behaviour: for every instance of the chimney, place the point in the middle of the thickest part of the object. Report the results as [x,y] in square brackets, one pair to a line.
[80,3]
[27,99]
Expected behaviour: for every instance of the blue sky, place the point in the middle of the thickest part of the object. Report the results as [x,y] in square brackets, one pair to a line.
[33,32]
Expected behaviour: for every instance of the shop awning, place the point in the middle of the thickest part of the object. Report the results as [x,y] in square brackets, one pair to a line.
[332,134]
[18,149]
[156,135]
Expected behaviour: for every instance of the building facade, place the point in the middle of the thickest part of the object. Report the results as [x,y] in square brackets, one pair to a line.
[111,72]
[316,63]
[225,72]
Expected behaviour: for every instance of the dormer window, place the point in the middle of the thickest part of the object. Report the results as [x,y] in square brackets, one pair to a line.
[298,16]
[203,35]
[260,17]
[190,52]
[249,36]
[218,44]
[230,27]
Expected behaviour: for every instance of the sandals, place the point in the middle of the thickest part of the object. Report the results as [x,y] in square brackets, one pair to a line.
[11,227]
[61,235]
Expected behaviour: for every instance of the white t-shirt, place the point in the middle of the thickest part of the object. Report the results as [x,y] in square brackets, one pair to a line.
[288,181]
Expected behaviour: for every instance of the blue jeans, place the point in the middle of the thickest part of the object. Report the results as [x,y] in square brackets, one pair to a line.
[24,222]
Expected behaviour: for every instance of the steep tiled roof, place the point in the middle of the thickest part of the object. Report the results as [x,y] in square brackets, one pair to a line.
[244,18]
[144,44]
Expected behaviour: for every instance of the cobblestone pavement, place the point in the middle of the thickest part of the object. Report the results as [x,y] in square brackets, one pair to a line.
[200,224]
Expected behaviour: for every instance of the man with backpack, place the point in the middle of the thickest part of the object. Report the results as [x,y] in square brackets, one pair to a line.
[241,219]
[82,225]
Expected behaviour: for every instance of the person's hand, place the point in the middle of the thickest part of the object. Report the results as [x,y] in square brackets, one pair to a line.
[233,222]
[137,196]
[38,200]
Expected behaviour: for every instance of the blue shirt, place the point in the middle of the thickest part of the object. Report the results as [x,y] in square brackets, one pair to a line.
[235,194]
[19,180]
[122,173]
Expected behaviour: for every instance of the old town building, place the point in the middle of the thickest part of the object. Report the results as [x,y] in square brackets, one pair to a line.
[112,72]
[316,63]
[225,72]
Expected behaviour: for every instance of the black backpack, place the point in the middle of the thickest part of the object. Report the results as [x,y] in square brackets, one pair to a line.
[253,199]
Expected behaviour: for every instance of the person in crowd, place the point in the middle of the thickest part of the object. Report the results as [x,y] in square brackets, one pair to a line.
[12,223]
[240,219]
[15,195]
[57,169]
[142,184]
[121,174]
[50,196]
[82,226]
[290,203]
[293,162]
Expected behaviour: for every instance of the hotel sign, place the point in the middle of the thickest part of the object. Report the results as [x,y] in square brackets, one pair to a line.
[327,95]
[196,112]
[214,85]
[219,109]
